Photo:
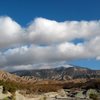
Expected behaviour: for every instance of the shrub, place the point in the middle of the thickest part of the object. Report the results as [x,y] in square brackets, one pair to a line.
[93,96]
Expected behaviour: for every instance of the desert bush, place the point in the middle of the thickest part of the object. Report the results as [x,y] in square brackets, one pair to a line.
[93,96]
[44,88]
[93,83]
[8,86]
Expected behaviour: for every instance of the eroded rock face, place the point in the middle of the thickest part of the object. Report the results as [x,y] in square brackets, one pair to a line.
[6,76]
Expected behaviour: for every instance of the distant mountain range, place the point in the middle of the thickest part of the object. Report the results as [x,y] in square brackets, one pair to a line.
[59,73]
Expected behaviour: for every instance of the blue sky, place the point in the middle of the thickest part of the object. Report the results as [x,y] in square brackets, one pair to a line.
[25,11]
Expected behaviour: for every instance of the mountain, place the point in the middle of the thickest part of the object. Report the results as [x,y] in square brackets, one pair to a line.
[6,76]
[59,73]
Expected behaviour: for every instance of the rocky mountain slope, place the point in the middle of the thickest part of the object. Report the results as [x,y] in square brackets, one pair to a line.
[6,76]
[60,73]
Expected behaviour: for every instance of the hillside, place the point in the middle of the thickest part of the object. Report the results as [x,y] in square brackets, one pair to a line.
[6,76]
[60,73]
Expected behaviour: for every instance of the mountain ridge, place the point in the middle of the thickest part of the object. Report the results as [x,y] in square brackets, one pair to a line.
[59,73]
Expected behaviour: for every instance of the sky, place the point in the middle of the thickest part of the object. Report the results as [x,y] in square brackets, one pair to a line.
[49,33]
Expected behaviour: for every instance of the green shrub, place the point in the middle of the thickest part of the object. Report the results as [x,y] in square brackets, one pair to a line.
[93,96]
[8,86]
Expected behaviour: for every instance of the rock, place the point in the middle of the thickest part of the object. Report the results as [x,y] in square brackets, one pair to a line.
[1,89]
[80,95]
[51,94]
[19,96]
[90,91]
[2,96]
[62,93]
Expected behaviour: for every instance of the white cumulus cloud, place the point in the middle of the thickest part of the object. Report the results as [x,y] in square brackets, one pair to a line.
[46,41]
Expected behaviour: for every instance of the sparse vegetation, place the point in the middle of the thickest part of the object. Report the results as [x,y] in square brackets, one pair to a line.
[8,86]
[93,96]
[53,86]
[29,88]
[9,98]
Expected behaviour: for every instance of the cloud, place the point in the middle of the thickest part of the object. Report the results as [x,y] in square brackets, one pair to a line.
[44,31]
[45,42]
[10,32]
